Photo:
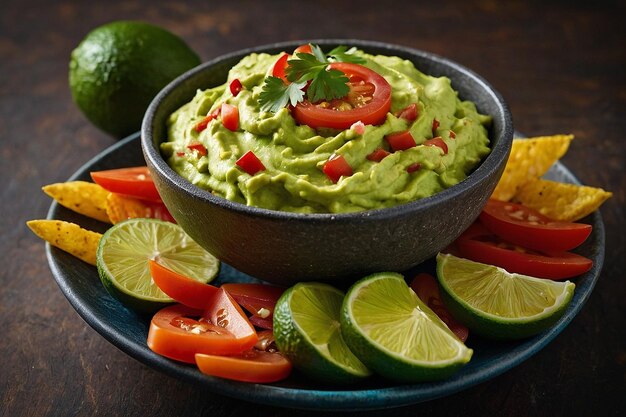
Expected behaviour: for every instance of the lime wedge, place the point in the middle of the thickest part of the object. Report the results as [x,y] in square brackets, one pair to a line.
[307,331]
[497,304]
[124,251]
[395,334]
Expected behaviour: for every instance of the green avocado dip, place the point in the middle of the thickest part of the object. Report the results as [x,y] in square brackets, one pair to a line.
[293,156]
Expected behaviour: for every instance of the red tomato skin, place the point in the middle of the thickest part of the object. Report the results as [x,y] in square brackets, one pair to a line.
[175,342]
[250,163]
[542,233]
[278,70]
[230,117]
[183,289]
[438,142]
[305,49]
[427,289]
[401,141]
[374,113]
[263,323]
[337,167]
[488,249]
[251,366]
[254,297]
[134,182]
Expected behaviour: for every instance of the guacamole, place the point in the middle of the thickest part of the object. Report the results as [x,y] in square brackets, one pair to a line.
[293,155]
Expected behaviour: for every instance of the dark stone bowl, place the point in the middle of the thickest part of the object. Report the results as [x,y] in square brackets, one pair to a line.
[284,247]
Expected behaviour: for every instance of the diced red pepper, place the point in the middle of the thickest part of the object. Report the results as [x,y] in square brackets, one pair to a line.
[250,163]
[235,87]
[414,167]
[198,147]
[202,124]
[337,167]
[230,117]
[437,142]
[378,155]
[401,140]
[409,113]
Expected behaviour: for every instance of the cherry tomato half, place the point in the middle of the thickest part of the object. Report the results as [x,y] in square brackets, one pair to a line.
[178,332]
[183,289]
[531,229]
[133,182]
[427,289]
[480,245]
[368,101]
[225,312]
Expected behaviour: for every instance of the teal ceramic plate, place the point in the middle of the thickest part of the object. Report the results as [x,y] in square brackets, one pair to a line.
[128,331]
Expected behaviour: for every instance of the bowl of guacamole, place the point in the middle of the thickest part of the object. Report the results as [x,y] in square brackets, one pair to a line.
[326,159]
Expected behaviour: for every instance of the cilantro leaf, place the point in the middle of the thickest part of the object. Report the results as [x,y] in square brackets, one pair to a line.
[317,52]
[343,54]
[304,68]
[275,94]
[328,85]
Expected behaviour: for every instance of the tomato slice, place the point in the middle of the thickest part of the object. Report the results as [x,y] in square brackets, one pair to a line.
[427,289]
[178,332]
[226,313]
[183,289]
[133,182]
[368,101]
[278,70]
[251,366]
[258,299]
[529,228]
[480,245]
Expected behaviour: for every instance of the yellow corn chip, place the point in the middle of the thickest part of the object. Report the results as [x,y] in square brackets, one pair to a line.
[82,197]
[121,208]
[529,159]
[69,237]
[560,201]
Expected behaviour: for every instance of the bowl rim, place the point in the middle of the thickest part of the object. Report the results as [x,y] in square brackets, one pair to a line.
[491,163]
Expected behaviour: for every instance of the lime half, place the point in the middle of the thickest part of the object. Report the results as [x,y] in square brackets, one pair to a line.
[497,304]
[124,251]
[307,331]
[395,334]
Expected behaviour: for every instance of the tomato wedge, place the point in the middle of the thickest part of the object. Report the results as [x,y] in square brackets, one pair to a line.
[529,228]
[368,101]
[480,245]
[427,289]
[183,289]
[251,366]
[178,332]
[133,182]
[226,313]
[258,299]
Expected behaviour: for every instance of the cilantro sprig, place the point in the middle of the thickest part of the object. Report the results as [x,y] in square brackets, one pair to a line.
[312,69]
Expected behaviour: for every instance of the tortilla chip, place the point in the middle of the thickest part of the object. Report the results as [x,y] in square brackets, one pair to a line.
[69,237]
[529,159]
[560,201]
[82,197]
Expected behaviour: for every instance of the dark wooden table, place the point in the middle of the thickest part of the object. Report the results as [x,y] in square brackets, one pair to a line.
[561,67]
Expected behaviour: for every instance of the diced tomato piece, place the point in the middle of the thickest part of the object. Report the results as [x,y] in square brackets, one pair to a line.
[452,134]
[250,163]
[409,113]
[401,141]
[438,142]
[435,125]
[414,167]
[202,124]
[337,167]
[378,155]
[358,127]
[235,87]
[230,117]
[198,147]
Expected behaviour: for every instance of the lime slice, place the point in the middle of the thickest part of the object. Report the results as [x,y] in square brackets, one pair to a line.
[395,334]
[124,251]
[497,304]
[307,331]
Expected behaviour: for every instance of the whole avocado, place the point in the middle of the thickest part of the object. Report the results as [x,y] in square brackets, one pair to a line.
[119,67]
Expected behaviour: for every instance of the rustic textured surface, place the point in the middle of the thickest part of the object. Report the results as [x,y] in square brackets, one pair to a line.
[559,66]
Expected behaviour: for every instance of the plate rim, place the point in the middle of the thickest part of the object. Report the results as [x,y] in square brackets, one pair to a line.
[319,399]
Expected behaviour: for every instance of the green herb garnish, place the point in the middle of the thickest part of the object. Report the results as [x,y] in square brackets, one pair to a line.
[324,84]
